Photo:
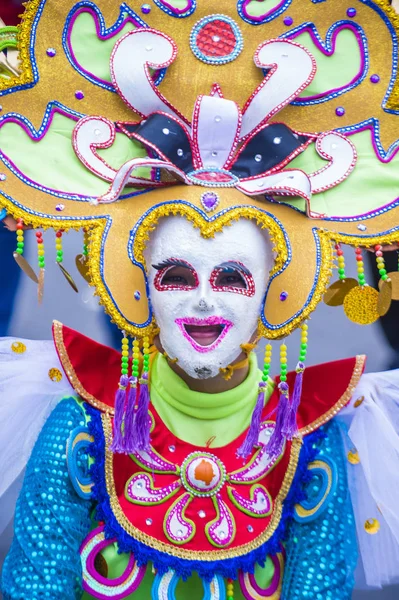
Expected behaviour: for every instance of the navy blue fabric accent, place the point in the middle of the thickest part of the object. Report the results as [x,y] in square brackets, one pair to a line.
[169,137]
[9,278]
[51,521]
[321,554]
[271,146]
[184,568]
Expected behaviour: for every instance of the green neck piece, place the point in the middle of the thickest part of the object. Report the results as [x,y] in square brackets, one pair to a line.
[201,419]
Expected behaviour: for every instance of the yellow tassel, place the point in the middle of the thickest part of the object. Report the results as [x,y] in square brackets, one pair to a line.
[249,347]
[227,372]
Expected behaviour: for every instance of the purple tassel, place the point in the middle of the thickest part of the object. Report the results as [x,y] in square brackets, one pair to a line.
[120,396]
[276,442]
[129,430]
[290,428]
[142,420]
[253,432]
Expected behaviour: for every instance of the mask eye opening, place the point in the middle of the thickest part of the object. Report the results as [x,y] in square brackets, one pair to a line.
[232,277]
[174,275]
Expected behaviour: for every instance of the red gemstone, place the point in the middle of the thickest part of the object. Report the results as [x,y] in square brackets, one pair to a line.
[216,39]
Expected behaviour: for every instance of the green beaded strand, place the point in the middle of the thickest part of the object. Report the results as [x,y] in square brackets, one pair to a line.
[380,262]
[360,267]
[304,342]
[230,589]
[340,262]
[20,237]
[283,362]
[85,251]
[266,363]
[58,246]
[40,250]
[125,355]
[136,359]
[146,355]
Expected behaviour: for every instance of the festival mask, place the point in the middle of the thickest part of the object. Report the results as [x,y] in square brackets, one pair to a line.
[206,294]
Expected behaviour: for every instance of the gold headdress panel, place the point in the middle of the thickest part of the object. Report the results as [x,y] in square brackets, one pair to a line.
[282,111]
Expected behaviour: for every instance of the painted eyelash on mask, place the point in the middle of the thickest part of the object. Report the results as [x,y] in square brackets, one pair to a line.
[164,267]
[245,275]
[171,262]
[234,266]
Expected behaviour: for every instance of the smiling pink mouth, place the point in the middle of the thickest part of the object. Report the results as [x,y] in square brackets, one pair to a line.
[204,334]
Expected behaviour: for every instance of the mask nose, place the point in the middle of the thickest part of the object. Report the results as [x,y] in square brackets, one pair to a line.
[203,297]
[205,305]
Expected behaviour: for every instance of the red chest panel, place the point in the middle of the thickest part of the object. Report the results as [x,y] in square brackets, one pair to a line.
[199,500]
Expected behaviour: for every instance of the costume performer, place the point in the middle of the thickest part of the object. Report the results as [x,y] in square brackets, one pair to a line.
[218,165]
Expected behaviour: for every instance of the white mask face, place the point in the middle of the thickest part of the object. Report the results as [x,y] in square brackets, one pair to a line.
[207,294]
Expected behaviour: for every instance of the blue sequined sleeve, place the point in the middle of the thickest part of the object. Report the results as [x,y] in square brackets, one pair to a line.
[51,520]
[322,547]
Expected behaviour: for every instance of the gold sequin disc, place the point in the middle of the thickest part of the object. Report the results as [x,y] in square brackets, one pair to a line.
[360,305]
[18,347]
[353,457]
[384,298]
[359,401]
[337,291]
[68,277]
[372,526]
[82,266]
[25,266]
[55,374]
[394,277]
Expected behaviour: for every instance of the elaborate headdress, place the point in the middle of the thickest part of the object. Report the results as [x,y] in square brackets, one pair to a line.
[285,115]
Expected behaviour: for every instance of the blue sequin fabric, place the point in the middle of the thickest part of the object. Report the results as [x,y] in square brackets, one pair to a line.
[322,553]
[50,520]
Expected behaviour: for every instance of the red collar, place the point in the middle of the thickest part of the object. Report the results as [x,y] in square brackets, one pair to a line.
[94,370]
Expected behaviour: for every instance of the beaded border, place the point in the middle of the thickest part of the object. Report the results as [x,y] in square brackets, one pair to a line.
[167,491]
[220,507]
[209,555]
[270,15]
[78,439]
[327,48]
[248,291]
[184,500]
[176,12]
[126,15]
[29,74]
[70,371]
[208,226]
[189,486]
[345,398]
[391,17]
[232,494]
[78,387]
[36,135]
[302,514]
[98,227]
[322,277]
[217,60]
